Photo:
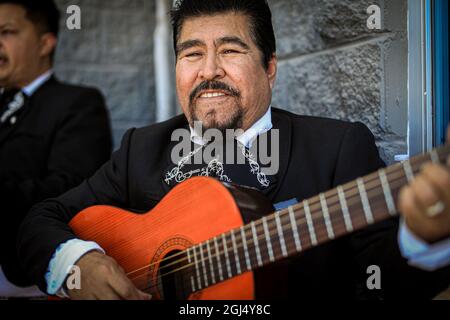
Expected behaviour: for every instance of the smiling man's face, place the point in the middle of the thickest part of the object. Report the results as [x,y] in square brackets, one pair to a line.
[220,76]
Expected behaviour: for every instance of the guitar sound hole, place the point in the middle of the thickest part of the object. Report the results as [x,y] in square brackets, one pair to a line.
[171,275]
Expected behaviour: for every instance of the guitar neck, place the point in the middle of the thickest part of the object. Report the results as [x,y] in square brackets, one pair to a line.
[313,222]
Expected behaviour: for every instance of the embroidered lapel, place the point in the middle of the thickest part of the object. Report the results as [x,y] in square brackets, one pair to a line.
[268,185]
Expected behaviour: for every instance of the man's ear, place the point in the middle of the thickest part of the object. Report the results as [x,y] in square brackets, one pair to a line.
[48,44]
[272,70]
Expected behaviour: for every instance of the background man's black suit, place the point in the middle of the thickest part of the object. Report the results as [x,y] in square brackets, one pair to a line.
[316,155]
[61,137]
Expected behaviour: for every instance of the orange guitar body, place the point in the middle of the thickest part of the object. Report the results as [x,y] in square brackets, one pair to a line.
[191,213]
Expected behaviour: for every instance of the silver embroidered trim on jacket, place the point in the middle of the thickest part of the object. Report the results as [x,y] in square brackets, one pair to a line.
[216,168]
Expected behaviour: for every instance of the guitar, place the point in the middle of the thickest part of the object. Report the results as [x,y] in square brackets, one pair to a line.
[195,244]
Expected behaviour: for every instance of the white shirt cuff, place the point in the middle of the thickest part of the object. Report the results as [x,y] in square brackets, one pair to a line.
[420,254]
[65,257]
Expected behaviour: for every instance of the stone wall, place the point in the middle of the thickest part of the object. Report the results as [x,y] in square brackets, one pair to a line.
[332,65]
[114,52]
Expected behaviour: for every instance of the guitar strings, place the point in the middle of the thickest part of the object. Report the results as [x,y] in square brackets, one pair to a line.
[298,207]
[200,274]
[375,176]
[261,237]
[322,229]
[359,218]
[320,232]
[349,189]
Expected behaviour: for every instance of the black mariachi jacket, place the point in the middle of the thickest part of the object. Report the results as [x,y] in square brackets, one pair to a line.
[315,155]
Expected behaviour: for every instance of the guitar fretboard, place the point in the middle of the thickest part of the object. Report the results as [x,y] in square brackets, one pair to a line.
[315,221]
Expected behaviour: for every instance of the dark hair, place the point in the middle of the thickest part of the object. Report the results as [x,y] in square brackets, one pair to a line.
[258,11]
[42,13]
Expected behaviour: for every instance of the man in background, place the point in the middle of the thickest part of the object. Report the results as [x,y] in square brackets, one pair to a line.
[52,135]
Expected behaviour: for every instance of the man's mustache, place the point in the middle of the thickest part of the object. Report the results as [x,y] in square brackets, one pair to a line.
[213,85]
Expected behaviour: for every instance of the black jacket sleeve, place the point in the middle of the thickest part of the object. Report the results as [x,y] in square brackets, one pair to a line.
[80,145]
[46,225]
[378,245]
